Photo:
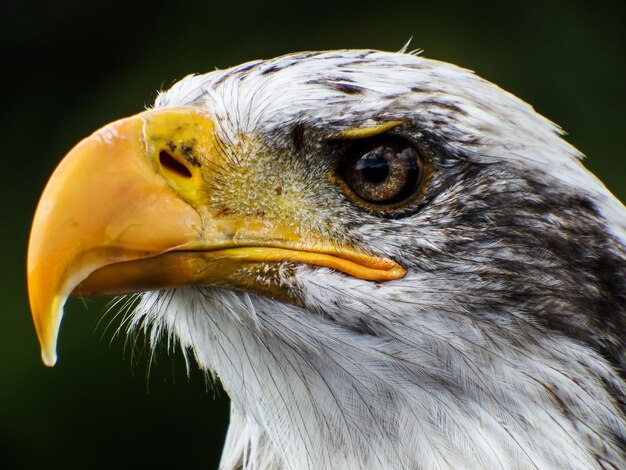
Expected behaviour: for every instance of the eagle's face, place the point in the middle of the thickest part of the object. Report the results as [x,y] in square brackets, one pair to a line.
[388,262]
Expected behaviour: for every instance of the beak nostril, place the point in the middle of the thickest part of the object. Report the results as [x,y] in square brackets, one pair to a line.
[169,163]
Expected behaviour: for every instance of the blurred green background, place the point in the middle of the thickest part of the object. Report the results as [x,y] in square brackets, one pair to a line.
[71,66]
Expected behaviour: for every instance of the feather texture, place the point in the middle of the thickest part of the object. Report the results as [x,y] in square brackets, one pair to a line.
[502,347]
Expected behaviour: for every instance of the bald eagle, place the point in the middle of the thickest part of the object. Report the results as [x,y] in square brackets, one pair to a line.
[387,261]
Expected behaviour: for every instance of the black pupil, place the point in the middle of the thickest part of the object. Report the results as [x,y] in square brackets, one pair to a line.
[374,166]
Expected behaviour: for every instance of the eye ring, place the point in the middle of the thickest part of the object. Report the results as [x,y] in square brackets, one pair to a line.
[383,172]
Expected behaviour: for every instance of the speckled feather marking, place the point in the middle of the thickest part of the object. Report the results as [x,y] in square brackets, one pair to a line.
[502,347]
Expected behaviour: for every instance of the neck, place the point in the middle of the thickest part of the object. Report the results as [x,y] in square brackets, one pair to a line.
[468,398]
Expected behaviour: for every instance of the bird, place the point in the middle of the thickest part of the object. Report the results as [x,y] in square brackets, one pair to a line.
[387,261]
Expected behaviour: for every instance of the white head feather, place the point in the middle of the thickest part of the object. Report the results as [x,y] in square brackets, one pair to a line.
[441,380]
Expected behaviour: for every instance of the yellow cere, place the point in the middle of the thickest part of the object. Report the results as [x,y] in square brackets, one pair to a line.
[181,141]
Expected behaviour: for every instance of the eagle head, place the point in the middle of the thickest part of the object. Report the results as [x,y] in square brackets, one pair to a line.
[387,261]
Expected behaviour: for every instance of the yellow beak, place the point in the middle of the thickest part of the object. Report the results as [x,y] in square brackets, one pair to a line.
[127,210]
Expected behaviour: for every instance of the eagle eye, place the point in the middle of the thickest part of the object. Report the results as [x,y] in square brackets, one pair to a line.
[382,170]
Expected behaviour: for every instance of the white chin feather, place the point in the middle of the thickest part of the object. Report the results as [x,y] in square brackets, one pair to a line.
[301,401]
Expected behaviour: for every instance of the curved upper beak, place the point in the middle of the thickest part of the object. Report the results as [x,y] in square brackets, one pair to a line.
[104,204]
[127,210]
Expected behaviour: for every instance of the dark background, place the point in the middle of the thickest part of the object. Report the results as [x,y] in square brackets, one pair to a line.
[70,67]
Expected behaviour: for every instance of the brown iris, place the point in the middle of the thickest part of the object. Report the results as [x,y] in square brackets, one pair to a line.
[382,170]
